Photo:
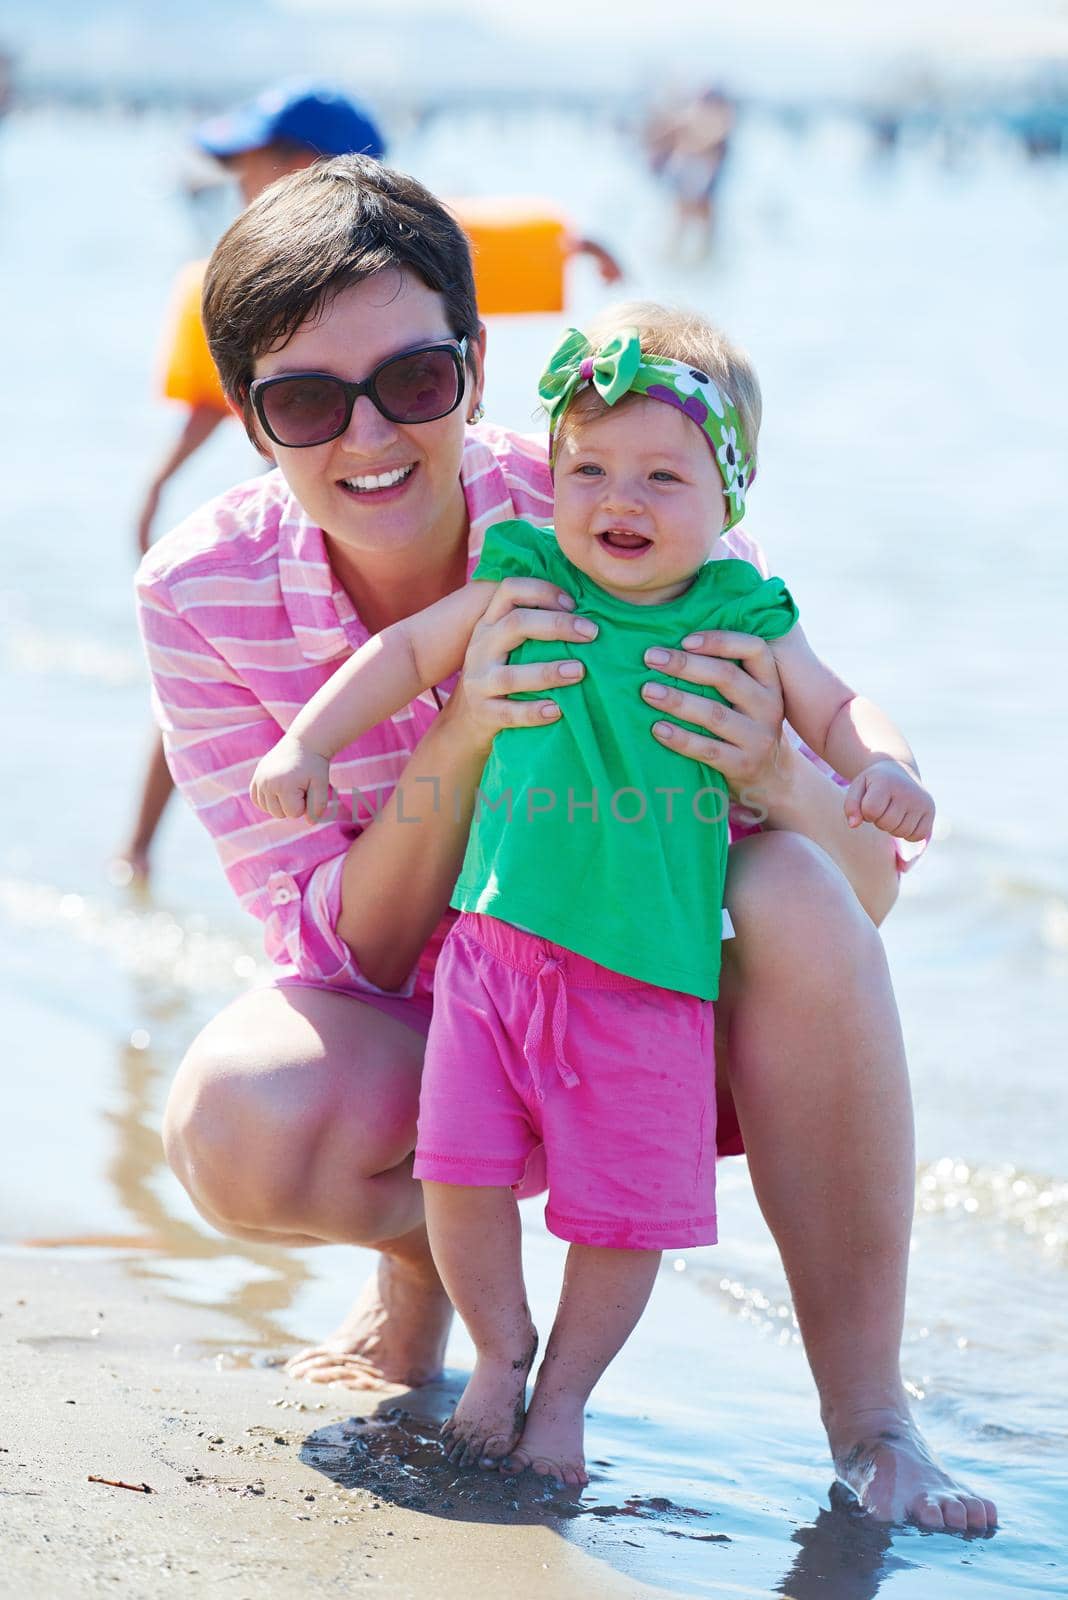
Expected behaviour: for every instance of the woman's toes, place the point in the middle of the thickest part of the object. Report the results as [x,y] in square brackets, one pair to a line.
[975,1510]
[954,1515]
[928,1513]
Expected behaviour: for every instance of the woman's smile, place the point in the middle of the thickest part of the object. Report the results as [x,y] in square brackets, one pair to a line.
[388,483]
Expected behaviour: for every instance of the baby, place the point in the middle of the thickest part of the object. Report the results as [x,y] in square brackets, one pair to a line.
[574,995]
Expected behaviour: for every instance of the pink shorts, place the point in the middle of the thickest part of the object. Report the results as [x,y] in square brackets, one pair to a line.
[531,1045]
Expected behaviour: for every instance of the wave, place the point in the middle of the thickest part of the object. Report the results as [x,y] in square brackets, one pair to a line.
[1032,1204]
[34,652]
[185,952]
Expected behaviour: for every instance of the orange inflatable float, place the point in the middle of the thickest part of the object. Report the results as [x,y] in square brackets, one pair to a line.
[519,249]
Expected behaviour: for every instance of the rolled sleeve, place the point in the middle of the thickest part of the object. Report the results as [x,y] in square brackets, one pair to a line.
[300,927]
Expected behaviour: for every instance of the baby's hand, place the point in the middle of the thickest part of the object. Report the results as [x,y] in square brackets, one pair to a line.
[291,781]
[887,794]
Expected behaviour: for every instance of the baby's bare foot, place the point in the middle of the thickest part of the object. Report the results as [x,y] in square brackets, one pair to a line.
[882,1456]
[489,1415]
[551,1442]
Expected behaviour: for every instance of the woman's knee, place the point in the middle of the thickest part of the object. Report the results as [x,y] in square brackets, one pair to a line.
[235,1140]
[281,1107]
[790,902]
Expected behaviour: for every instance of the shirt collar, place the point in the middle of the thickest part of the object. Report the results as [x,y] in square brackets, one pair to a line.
[324,621]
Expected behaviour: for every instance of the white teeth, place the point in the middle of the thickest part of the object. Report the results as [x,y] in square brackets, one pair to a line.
[379,480]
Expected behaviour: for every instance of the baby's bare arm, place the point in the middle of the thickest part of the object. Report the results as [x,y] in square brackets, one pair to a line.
[390,670]
[858,739]
[847,730]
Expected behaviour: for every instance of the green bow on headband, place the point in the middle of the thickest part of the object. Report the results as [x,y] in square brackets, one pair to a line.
[620,368]
[575,362]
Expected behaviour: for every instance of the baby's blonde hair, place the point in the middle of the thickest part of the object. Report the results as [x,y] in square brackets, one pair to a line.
[682,336]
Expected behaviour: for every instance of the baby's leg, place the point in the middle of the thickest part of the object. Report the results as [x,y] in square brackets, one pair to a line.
[604,1294]
[475,1239]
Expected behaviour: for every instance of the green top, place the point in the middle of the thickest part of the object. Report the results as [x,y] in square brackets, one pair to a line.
[589,832]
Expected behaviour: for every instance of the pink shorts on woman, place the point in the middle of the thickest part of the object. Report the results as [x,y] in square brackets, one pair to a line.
[531,1045]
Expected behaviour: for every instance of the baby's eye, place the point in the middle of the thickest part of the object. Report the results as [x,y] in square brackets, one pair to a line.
[662,475]
[589,469]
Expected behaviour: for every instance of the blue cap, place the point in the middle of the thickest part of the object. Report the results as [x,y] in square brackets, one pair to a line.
[311,114]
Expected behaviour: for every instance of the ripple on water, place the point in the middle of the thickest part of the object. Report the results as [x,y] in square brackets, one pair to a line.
[1036,1205]
[145,940]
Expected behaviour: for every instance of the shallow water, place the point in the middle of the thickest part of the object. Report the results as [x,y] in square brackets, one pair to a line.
[904,321]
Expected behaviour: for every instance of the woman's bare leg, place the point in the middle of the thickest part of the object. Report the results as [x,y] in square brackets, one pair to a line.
[475,1237]
[807,1029]
[292,1121]
[604,1294]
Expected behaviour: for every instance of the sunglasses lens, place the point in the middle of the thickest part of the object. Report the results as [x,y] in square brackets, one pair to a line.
[420,387]
[303,411]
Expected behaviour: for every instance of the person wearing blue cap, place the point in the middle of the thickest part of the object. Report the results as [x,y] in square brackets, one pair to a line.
[283,129]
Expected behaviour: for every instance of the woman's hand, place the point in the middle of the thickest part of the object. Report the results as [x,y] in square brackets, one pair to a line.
[748,747]
[291,781]
[522,608]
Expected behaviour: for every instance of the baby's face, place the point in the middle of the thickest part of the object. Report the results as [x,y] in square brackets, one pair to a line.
[639,500]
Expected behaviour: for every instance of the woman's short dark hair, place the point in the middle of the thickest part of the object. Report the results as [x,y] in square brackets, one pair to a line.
[313,234]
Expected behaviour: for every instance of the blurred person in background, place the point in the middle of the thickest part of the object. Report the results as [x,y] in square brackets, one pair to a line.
[292,1118]
[7,82]
[521,249]
[687,147]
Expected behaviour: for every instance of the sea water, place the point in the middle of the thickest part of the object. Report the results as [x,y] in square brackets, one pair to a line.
[906,317]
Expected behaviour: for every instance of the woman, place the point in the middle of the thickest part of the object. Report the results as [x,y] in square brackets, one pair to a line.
[292,1118]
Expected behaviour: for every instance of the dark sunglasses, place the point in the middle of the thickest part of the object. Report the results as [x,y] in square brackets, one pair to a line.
[300,409]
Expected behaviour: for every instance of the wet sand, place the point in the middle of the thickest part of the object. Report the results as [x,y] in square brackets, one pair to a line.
[110,1380]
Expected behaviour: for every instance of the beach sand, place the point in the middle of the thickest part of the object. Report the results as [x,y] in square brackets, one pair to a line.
[105,1378]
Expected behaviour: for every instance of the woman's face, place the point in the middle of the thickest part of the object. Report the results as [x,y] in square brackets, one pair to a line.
[362,326]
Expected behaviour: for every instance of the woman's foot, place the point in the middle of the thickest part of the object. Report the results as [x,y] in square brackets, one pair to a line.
[551,1441]
[488,1419]
[881,1455]
[394,1335]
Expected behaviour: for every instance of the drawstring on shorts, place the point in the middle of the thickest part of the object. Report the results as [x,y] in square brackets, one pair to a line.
[550,992]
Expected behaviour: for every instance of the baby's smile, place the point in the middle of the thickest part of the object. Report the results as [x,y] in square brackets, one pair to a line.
[621,542]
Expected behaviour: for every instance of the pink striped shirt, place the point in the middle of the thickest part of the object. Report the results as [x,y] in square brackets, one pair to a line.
[243,620]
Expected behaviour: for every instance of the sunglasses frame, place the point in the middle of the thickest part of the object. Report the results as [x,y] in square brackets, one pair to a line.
[457,348]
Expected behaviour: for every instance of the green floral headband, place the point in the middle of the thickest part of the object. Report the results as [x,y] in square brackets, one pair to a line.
[620,368]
